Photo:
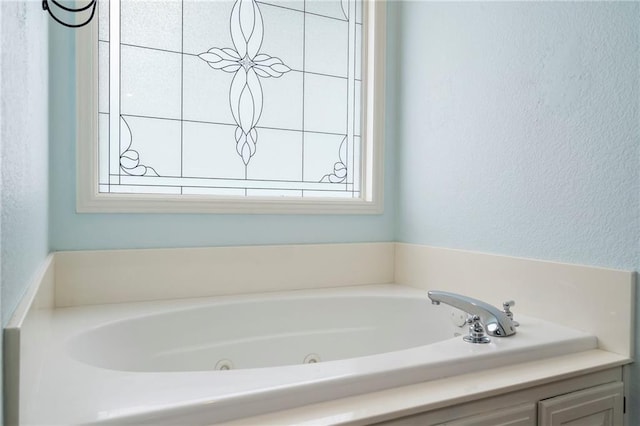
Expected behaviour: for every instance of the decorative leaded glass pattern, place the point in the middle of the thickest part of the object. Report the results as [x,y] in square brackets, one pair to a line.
[239,98]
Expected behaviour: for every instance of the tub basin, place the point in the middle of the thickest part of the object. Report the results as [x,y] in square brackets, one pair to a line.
[260,334]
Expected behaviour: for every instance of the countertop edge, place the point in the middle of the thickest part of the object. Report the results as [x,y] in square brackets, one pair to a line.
[421,397]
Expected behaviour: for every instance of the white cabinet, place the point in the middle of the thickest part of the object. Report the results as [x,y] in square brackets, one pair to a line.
[595,399]
[523,415]
[597,406]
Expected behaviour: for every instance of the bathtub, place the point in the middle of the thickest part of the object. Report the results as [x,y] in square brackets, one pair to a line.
[209,360]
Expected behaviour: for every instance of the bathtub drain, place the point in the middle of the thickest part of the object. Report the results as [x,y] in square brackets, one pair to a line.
[311,359]
[224,364]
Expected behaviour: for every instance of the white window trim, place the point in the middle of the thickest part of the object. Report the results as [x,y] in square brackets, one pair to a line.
[89,200]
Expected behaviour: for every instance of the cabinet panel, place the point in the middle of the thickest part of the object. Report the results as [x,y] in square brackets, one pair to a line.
[523,415]
[598,406]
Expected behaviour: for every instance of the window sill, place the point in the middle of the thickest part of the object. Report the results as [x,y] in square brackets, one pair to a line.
[126,203]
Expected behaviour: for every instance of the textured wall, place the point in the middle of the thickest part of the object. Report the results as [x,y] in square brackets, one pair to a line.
[23,150]
[24,134]
[72,231]
[519,131]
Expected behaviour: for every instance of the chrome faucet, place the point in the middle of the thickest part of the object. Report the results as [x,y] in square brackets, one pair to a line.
[496,322]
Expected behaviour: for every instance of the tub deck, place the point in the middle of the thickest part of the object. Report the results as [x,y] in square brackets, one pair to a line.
[65,385]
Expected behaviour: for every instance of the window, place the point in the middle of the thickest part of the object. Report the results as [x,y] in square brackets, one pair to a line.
[231,106]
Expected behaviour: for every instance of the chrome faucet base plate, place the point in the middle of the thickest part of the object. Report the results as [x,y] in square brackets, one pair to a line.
[473,339]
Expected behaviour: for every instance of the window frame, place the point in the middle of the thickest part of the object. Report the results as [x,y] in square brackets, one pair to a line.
[89,200]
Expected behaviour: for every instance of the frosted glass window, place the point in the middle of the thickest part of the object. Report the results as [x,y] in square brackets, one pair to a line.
[238,98]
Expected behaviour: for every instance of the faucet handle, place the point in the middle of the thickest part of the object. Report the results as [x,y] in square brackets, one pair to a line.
[476,331]
[506,308]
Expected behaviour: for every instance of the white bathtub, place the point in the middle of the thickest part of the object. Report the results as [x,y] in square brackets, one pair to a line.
[158,362]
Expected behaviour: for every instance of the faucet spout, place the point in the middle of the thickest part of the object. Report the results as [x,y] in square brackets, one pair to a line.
[496,322]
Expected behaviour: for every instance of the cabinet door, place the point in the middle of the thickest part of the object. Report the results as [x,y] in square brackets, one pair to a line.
[597,406]
[522,415]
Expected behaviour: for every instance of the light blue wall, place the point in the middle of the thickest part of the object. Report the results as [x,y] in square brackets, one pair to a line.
[25,155]
[72,231]
[23,151]
[519,131]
